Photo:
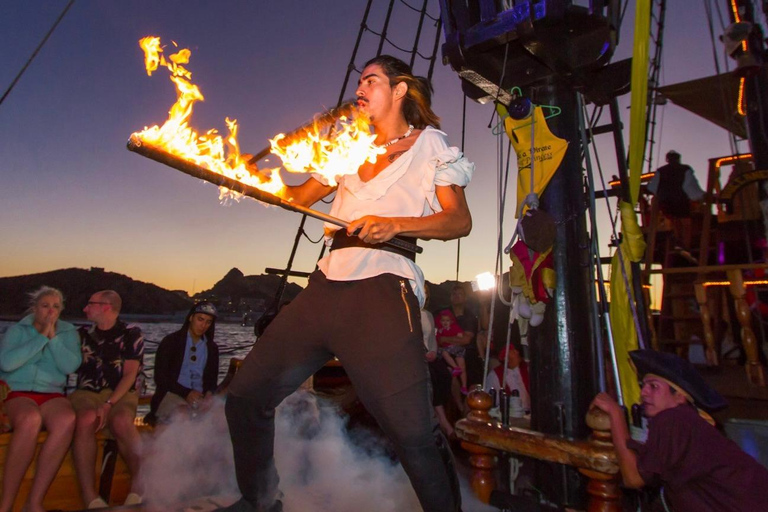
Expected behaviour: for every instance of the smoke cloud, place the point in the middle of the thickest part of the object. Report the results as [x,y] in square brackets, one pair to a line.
[321,468]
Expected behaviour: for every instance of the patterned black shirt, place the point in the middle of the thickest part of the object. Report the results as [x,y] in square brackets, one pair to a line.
[104,353]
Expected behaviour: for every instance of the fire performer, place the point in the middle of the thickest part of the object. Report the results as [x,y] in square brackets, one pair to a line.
[363,304]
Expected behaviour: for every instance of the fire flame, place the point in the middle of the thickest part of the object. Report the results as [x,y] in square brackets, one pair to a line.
[329,151]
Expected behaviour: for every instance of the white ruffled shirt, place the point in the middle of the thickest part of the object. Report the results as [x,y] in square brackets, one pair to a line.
[405,188]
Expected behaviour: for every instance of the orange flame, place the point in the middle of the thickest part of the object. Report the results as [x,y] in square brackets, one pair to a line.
[329,151]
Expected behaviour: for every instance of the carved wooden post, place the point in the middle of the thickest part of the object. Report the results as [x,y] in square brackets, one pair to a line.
[483,460]
[603,488]
[706,319]
[755,373]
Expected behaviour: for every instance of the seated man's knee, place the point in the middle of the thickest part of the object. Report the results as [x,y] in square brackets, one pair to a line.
[121,424]
[86,420]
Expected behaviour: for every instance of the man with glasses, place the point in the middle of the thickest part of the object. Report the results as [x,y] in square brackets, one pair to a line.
[186,366]
[106,395]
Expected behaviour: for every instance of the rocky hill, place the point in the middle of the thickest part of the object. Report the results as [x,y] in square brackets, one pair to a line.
[234,293]
[239,291]
[78,285]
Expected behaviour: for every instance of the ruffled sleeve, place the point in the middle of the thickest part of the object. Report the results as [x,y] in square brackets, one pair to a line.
[448,166]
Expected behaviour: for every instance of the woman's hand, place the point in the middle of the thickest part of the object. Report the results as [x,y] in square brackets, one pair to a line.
[49,324]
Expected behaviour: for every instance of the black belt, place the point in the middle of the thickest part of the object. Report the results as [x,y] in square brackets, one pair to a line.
[341,240]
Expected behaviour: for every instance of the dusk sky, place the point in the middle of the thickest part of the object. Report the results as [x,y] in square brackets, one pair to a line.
[71,195]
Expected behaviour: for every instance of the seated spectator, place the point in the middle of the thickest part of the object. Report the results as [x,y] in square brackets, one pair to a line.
[515,378]
[186,366]
[36,355]
[113,353]
[698,468]
[452,352]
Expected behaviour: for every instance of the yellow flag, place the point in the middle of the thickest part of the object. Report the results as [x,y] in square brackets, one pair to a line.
[631,249]
[548,150]
[639,96]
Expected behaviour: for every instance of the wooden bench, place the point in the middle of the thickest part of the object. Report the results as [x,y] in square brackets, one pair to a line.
[112,476]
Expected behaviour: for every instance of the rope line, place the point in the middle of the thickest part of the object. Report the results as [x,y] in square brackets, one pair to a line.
[314,242]
[37,50]
[433,18]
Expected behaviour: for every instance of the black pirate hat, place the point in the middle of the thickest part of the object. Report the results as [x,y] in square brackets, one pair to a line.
[680,373]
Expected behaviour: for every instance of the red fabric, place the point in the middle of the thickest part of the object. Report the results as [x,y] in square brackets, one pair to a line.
[39,398]
[453,330]
[523,373]
[527,259]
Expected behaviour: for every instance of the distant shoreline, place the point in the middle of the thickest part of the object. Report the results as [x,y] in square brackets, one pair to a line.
[134,318]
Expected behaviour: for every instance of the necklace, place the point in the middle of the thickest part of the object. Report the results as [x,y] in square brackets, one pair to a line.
[403,136]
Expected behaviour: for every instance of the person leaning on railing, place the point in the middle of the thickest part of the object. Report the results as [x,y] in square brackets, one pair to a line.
[36,355]
[698,468]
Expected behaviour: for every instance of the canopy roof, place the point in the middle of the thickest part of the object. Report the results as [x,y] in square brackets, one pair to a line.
[715,98]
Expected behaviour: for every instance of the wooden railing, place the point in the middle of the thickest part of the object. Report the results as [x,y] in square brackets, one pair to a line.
[733,277]
[483,437]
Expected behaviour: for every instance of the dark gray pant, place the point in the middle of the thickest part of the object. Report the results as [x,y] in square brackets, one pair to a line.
[373,326]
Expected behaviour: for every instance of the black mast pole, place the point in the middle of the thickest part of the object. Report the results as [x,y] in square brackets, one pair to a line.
[563,367]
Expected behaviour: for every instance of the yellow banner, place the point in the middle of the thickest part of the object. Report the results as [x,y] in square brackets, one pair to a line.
[548,149]
[631,249]
[639,96]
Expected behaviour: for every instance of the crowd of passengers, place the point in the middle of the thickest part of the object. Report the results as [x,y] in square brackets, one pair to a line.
[686,455]
[37,355]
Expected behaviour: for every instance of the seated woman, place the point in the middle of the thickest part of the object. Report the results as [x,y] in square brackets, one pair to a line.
[36,355]
[186,366]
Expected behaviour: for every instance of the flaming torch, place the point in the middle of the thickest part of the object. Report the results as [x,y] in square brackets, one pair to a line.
[334,144]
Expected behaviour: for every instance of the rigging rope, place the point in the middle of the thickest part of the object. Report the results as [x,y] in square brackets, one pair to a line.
[723,97]
[653,80]
[37,50]
[463,133]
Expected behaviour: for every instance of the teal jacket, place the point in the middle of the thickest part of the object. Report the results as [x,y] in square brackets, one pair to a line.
[30,361]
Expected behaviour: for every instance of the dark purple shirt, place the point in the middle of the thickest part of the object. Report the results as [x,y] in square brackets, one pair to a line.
[104,353]
[701,470]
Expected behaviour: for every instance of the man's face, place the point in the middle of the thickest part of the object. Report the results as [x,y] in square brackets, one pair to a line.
[656,396]
[458,297]
[374,93]
[199,323]
[96,307]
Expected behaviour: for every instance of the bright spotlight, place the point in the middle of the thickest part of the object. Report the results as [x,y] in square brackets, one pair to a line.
[483,282]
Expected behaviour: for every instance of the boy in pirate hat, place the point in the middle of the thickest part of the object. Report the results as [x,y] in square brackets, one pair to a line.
[699,468]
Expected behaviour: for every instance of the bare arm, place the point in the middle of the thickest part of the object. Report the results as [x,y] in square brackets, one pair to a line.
[306,194]
[453,221]
[130,371]
[620,436]
[464,338]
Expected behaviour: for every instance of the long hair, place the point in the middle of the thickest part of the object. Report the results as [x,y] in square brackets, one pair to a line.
[417,104]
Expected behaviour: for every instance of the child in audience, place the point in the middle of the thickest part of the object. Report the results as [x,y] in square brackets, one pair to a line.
[452,353]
